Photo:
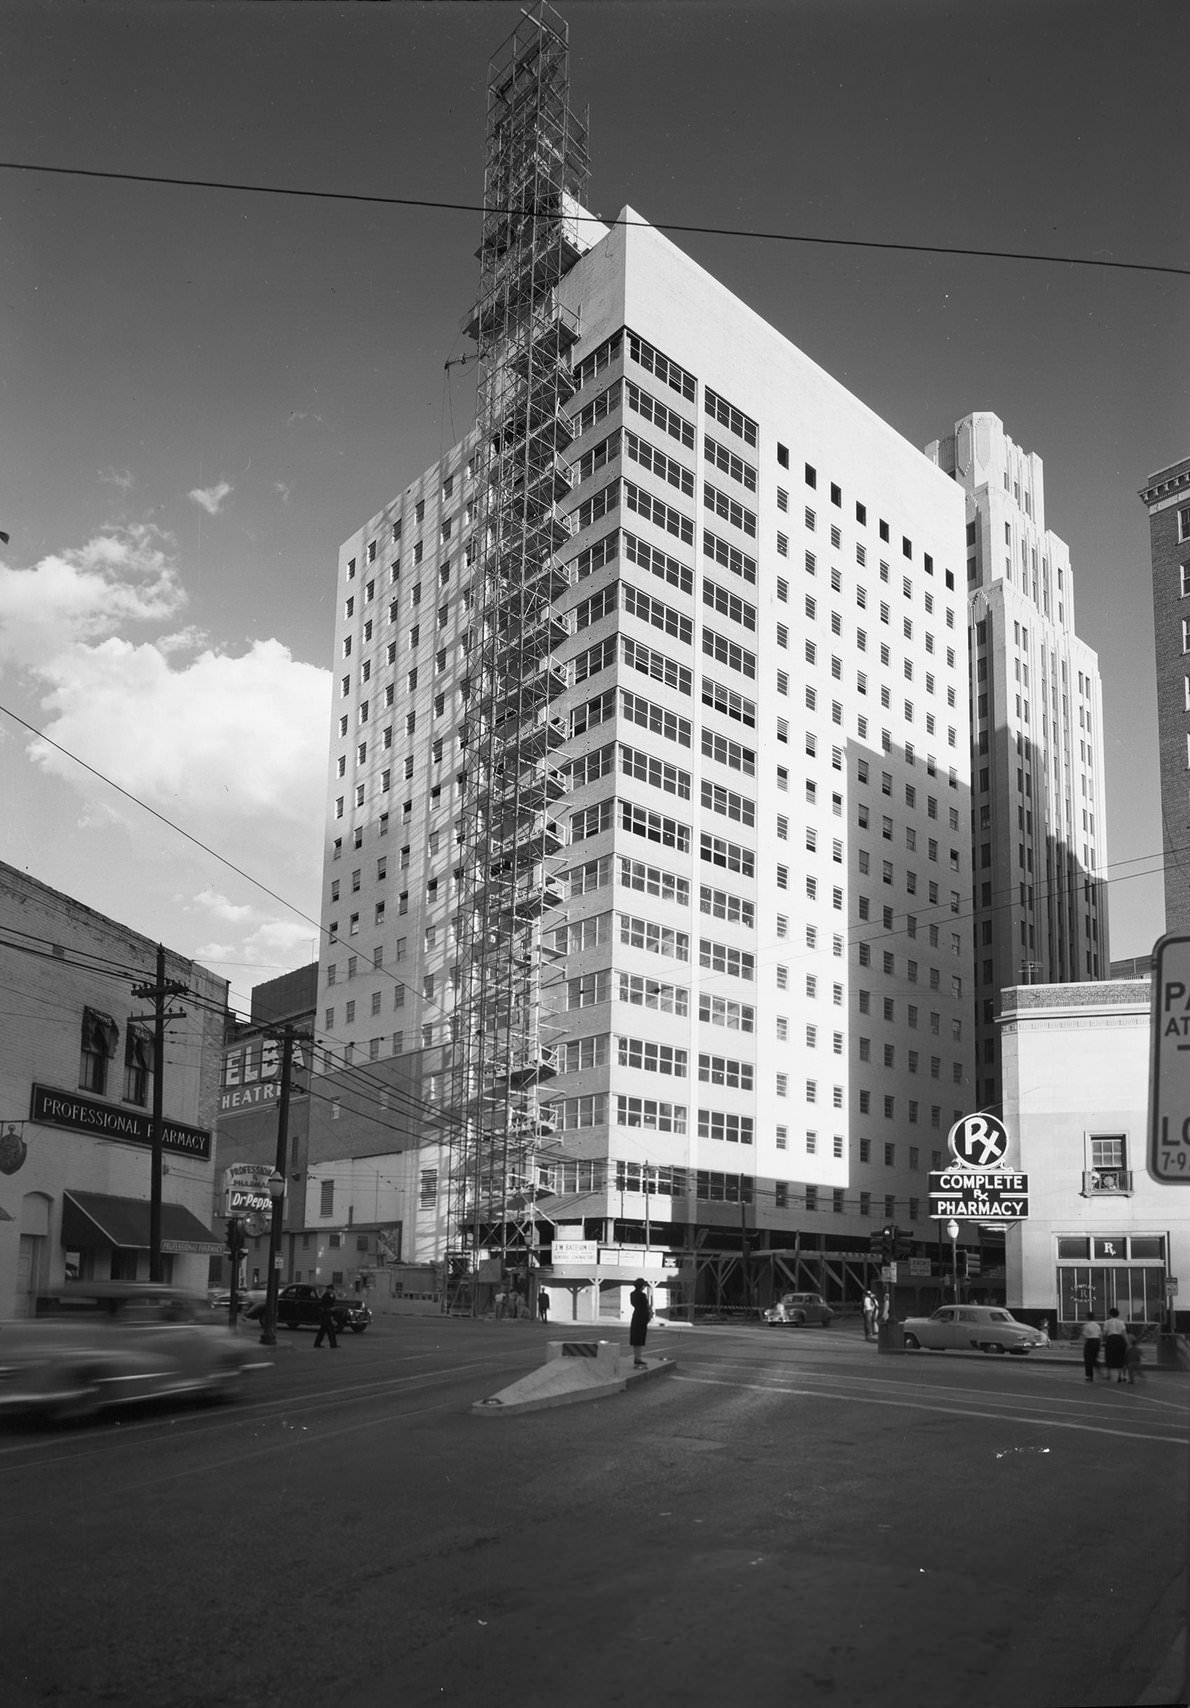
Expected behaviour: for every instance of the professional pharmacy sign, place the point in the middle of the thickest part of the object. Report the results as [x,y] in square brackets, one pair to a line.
[977,1187]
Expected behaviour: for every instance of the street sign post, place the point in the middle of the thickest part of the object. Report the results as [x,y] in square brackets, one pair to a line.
[1169,1063]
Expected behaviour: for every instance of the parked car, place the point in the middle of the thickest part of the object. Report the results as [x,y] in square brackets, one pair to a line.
[797,1309]
[106,1343]
[982,1328]
[298,1307]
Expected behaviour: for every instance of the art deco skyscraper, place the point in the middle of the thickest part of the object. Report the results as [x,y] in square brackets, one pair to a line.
[1038,821]
[1166,496]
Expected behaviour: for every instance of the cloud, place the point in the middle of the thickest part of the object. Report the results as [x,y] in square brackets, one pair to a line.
[229,746]
[284,489]
[124,575]
[235,912]
[124,479]
[219,743]
[211,497]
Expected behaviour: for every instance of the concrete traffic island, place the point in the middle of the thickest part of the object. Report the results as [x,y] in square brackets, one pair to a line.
[574,1370]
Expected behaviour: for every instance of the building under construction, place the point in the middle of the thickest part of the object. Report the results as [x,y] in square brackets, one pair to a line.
[649,795]
[512,830]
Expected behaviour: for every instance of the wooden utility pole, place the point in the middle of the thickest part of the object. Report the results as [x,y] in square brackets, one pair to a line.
[277,1189]
[158,993]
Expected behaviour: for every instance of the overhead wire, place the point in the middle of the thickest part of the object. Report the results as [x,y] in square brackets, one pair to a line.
[778,947]
[595,219]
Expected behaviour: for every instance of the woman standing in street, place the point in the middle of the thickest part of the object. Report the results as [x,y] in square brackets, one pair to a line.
[1115,1344]
[638,1328]
[1092,1341]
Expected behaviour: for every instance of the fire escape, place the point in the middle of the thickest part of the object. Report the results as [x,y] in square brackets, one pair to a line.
[512,835]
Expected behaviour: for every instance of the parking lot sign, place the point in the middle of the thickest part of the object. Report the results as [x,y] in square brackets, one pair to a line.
[1169,1069]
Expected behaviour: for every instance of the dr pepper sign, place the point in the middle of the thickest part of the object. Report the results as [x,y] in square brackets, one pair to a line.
[1169,1071]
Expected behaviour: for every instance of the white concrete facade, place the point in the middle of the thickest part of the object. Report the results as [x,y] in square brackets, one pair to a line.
[74,1090]
[1100,1231]
[765,966]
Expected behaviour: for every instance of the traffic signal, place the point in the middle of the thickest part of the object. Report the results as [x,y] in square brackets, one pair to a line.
[235,1238]
[902,1245]
[884,1243]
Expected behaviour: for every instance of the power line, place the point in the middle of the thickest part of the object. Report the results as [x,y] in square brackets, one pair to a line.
[594,219]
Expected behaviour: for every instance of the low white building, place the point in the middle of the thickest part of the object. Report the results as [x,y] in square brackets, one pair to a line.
[76,1100]
[1100,1231]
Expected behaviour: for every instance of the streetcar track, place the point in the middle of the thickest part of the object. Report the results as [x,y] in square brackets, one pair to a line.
[919,1403]
[62,1450]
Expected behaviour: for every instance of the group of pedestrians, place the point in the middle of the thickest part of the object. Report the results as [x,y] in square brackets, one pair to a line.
[1121,1350]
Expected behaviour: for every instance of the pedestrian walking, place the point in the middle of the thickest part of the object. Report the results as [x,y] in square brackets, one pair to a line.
[1132,1359]
[871,1314]
[1115,1345]
[543,1304]
[638,1328]
[1092,1341]
[326,1319]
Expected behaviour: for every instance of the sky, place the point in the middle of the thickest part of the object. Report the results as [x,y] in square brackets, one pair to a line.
[204,391]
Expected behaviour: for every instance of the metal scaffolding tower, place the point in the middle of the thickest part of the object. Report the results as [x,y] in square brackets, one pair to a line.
[511,842]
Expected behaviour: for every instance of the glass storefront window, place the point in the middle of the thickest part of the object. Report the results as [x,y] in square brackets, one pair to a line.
[1137,1291]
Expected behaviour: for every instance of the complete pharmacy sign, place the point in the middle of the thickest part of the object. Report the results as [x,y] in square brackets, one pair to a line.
[977,1187]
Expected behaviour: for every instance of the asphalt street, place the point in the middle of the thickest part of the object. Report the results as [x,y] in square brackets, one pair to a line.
[786,1518]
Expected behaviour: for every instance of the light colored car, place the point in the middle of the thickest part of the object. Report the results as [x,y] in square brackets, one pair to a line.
[110,1343]
[979,1328]
[797,1309]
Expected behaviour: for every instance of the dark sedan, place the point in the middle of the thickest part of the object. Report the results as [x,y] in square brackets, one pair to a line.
[299,1306]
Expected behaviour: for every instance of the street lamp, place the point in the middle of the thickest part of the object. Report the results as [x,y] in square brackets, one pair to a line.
[276,1191]
[952,1228]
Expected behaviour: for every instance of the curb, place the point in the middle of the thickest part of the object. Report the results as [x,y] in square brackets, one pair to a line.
[534,1393]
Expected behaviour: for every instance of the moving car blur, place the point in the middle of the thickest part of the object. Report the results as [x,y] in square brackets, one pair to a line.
[94,1344]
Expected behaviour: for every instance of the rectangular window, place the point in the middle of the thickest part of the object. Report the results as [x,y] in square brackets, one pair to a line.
[721,1011]
[729,604]
[729,652]
[650,1114]
[723,958]
[728,463]
[660,414]
[658,563]
[656,665]
[730,417]
[654,939]
[661,722]
[644,992]
[650,1057]
[719,852]
[653,362]
[729,753]
[657,462]
[657,614]
[727,1127]
[721,904]
[729,557]
[726,801]
[647,768]
[728,702]
[640,821]
[653,510]
[729,509]
[652,880]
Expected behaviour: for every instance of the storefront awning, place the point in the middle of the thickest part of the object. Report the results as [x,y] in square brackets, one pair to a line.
[95,1218]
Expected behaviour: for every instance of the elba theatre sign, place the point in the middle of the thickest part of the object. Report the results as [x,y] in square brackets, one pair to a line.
[977,1187]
